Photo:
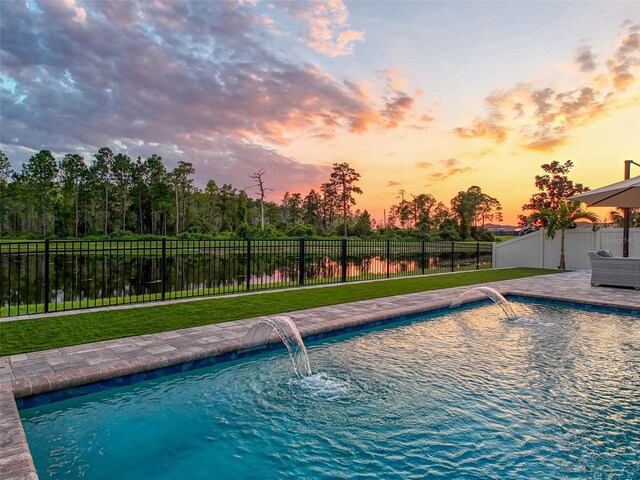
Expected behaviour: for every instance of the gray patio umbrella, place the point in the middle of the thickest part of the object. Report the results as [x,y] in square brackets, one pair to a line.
[624,194]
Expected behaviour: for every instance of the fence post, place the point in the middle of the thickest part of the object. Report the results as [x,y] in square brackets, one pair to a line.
[453,253]
[494,251]
[46,275]
[478,256]
[301,264]
[423,258]
[163,268]
[388,257]
[248,269]
[343,259]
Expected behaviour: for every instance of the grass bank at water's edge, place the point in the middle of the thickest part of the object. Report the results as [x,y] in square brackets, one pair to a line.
[42,333]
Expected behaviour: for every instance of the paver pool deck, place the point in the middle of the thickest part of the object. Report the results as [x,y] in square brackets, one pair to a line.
[27,374]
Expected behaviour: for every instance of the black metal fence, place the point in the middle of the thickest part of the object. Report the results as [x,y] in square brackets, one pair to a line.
[48,276]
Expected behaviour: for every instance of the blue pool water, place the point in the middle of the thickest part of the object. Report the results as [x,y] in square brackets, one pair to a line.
[464,395]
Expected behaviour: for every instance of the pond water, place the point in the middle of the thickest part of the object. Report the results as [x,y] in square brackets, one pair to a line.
[91,277]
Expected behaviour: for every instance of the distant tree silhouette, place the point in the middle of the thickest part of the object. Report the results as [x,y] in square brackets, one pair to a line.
[343,181]
[554,186]
[257,176]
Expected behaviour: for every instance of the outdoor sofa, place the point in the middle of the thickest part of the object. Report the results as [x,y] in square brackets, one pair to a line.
[614,271]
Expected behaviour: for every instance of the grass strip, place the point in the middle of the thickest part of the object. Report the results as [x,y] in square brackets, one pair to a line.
[43,333]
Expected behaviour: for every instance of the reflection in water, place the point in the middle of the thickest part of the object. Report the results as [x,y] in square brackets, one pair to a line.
[75,276]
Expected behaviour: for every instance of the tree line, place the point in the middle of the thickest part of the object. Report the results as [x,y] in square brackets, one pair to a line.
[113,195]
[466,219]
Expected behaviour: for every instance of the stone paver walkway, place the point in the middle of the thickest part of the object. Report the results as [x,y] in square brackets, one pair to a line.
[39,372]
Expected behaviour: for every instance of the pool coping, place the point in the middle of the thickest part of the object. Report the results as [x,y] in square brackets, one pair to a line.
[15,457]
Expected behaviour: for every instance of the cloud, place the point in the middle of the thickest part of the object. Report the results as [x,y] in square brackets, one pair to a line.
[541,100]
[358,89]
[546,143]
[451,165]
[423,121]
[625,60]
[541,117]
[398,104]
[488,128]
[579,102]
[629,24]
[392,183]
[327,25]
[396,109]
[205,82]
[519,109]
[586,59]
[449,162]
[397,81]
[439,176]
[630,43]
[558,113]
[79,13]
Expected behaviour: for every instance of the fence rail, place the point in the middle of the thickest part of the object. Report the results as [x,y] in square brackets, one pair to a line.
[49,276]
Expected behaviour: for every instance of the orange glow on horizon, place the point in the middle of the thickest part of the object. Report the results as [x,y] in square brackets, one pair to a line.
[442,164]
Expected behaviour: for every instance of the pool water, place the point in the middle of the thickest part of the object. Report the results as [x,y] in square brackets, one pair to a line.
[465,395]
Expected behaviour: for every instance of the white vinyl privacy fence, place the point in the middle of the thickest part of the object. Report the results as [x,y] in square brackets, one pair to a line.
[535,250]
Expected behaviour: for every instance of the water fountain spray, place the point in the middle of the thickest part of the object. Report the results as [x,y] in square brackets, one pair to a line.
[260,334]
[494,295]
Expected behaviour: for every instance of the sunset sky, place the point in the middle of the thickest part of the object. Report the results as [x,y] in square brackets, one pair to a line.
[428,97]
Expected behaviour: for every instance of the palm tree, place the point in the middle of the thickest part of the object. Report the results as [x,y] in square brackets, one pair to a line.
[567,213]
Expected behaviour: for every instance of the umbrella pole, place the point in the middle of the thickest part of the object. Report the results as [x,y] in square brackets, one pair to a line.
[625,233]
[626,212]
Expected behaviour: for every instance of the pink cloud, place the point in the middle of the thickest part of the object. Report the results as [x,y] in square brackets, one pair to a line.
[396,110]
[625,60]
[484,128]
[545,116]
[439,176]
[178,95]
[450,162]
[327,25]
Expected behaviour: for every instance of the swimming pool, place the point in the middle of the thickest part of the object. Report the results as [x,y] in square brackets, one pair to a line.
[466,394]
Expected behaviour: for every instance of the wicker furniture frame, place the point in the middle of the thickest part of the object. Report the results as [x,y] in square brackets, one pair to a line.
[615,271]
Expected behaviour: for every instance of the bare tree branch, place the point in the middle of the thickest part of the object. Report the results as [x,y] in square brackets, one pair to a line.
[257,176]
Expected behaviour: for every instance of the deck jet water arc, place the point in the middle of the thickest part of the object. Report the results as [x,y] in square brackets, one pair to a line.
[259,335]
[494,295]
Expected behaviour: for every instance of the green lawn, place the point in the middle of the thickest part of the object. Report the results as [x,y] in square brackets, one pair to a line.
[39,334]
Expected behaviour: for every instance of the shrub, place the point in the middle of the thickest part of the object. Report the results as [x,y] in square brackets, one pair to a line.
[481,234]
[304,230]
